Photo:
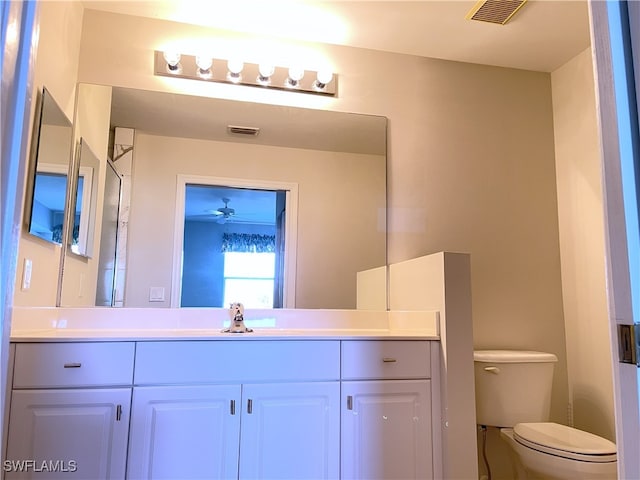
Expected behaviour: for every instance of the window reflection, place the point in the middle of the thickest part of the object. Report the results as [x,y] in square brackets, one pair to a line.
[249,278]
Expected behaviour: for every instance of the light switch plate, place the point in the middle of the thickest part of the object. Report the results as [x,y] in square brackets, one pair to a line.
[156,294]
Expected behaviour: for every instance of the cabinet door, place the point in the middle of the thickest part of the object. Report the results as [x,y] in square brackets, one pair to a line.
[290,431]
[184,432]
[68,434]
[386,430]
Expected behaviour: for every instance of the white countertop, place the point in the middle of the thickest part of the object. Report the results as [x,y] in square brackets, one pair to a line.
[34,324]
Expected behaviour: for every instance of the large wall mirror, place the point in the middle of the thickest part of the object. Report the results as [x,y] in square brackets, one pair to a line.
[307,186]
[49,169]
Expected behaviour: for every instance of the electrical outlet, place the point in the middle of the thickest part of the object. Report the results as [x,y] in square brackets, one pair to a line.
[26,274]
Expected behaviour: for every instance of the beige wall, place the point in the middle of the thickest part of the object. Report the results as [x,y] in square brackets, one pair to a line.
[56,69]
[581,234]
[332,244]
[578,171]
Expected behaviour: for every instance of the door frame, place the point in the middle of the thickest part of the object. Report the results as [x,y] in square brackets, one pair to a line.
[17,61]
[615,92]
[291,229]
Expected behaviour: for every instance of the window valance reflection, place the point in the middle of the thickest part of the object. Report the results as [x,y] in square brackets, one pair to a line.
[248,242]
[57,234]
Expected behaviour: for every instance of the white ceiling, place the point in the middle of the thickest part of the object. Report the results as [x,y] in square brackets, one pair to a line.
[542,36]
[186,116]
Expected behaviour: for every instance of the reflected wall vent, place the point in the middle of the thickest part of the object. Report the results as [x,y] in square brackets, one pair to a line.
[495,11]
[236,130]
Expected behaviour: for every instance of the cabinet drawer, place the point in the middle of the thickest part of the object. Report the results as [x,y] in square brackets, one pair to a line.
[372,359]
[181,362]
[43,365]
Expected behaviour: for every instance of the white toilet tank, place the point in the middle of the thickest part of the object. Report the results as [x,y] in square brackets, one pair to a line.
[512,386]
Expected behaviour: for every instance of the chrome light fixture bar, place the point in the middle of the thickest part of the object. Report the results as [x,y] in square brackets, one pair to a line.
[291,79]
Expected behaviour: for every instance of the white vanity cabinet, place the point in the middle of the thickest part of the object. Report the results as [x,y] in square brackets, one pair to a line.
[291,431]
[386,410]
[236,408]
[69,413]
[182,431]
[232,409]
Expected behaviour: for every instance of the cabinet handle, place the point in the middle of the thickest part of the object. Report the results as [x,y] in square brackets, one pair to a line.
[389,360]
[232,407]
[72,365]
[349,402]
[118,412]
[249,406]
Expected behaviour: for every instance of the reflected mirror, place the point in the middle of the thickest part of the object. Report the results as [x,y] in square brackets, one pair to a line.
[84,201]
[332,166]
[49,170]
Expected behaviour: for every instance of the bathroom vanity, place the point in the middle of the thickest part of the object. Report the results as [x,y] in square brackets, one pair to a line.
[192,403]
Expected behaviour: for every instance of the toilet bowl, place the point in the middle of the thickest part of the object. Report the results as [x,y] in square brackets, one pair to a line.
[513,393]
[550,451]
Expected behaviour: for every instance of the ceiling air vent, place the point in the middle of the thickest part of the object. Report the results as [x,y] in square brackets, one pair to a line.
[495,11]
[236,130]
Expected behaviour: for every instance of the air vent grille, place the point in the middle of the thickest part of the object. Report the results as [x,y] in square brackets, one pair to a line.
[495,11]
[236,130]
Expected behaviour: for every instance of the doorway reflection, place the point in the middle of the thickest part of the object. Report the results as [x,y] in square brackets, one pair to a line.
[232,247]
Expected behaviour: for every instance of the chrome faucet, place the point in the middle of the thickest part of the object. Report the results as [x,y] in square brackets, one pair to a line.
[236,314]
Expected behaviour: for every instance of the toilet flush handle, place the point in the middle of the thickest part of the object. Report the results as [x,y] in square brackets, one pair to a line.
[494,370]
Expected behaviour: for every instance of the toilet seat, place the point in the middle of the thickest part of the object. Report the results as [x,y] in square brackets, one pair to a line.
[566,442]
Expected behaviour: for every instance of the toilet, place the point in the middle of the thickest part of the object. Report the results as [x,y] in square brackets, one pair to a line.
[513,393]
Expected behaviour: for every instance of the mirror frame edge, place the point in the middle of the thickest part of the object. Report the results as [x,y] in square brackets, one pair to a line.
[30,187]
[67,224]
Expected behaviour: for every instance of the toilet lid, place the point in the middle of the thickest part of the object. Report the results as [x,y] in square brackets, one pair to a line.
[565,442]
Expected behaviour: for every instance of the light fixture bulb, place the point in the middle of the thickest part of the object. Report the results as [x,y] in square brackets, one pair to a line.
[235,67]
[323,78]
[204,64]
[265,71]
[295,75]
[173,60]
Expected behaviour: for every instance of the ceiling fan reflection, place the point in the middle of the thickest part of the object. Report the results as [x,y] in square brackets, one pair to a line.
[223,214]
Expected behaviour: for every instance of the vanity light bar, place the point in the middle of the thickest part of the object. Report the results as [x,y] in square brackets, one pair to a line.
[247,74]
